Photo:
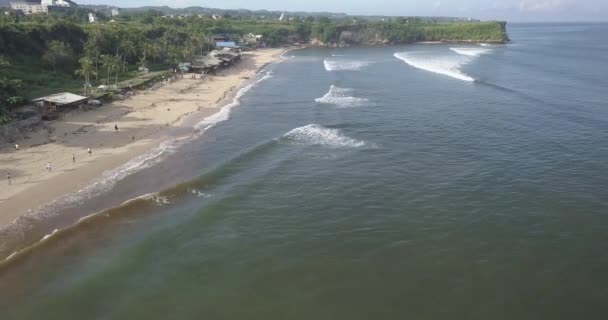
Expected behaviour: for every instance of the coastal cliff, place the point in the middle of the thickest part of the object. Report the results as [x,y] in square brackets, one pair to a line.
[403,33]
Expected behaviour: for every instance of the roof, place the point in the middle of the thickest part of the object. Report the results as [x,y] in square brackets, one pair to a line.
[61,99]
[206,61]
[229,44]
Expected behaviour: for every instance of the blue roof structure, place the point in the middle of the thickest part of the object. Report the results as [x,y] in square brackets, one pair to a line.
[226,44]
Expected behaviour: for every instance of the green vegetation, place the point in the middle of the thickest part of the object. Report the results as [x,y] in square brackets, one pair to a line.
[45,54]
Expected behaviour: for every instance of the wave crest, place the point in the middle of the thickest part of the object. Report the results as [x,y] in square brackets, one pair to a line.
[344,65]
[341,97]
[314,134]
[471,52]
[445,65]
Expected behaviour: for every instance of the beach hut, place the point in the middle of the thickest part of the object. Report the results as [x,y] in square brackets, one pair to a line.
[184,67]
[49,106]
[206,64]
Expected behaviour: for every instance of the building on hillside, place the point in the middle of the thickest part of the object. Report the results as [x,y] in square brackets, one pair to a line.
[92,17]
[115,12]
[41,6]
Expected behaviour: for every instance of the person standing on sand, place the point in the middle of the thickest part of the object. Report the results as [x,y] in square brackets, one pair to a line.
[8,176]
[49,166]
[89,151]
[116,127]
[73,158]
[16,147]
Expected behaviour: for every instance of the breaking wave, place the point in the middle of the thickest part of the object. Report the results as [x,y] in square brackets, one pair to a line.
[491,45]
[224,113]
[344,65]
[444,64]
[341,97]
[471,52]
[314,134]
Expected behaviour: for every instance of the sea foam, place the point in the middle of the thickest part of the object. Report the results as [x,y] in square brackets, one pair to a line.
[471,52]
[344,65]
[341,97]
[314,134]
[448,65]
[224,113]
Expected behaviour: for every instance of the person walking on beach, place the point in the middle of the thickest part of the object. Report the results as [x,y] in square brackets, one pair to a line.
[16,147]
[89,151]
[8,176]
[49,166]
[73,158]
[116,128]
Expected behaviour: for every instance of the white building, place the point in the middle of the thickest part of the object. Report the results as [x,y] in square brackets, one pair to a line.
[92,17]
[115,12]
[41,6]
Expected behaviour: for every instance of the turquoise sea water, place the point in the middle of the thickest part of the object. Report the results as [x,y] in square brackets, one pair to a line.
[408,182]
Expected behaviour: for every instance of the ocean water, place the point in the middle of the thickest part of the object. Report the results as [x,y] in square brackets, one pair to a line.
[408,182]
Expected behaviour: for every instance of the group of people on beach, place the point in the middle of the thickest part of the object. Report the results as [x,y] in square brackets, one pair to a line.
[49,164]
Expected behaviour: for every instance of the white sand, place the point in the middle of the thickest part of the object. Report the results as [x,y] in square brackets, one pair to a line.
[145,116]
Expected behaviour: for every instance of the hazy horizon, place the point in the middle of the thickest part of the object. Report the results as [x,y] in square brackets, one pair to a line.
[510,10]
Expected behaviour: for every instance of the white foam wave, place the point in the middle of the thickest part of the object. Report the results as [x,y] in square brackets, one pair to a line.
[344,65]
[314,134]
[50,234]
[160,200]
[445,65]
[338,55]
[224,113]
[471,52]
[12,255]
[199,193]
[341,97]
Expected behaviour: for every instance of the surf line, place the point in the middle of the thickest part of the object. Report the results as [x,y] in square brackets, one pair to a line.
[447,66]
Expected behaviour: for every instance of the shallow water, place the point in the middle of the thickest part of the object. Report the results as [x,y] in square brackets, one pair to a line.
[467,183]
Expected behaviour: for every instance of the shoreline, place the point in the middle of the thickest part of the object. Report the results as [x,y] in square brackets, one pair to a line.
[145,121]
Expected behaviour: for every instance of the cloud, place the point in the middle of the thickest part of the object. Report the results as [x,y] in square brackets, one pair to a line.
[540,5]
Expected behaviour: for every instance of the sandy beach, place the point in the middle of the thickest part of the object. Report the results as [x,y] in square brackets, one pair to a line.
[143,122]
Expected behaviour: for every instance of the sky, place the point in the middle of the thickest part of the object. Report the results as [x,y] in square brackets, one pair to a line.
[510,10]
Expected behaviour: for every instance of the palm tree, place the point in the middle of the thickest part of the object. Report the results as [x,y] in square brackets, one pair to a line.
[187,51]
[85,71]
[128,48]
[142,61]
[116,62]
[107,62]
[92,48]
[154,52]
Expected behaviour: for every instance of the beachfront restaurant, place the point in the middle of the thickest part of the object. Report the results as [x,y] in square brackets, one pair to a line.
[206,64]
[227,56]
[50,106]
